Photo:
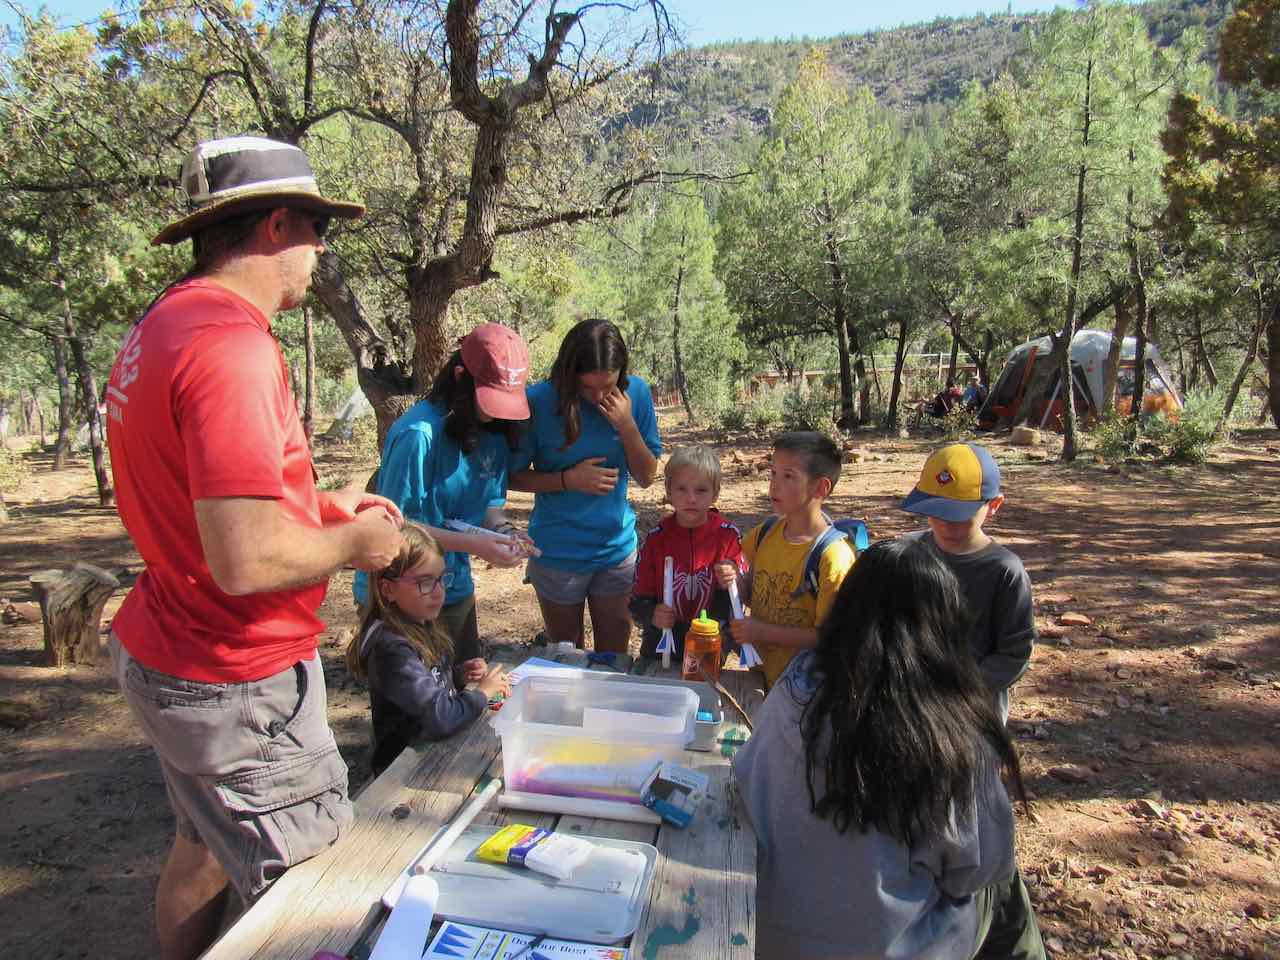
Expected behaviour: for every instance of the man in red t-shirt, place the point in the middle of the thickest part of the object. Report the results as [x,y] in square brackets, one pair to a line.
[215,646]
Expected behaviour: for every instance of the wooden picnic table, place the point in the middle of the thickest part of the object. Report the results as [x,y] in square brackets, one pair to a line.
[701,903]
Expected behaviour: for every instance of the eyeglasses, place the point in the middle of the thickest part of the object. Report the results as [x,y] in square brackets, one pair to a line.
[321,226]
[428,583]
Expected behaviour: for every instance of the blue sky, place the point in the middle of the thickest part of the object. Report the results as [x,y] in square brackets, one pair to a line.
[708,21]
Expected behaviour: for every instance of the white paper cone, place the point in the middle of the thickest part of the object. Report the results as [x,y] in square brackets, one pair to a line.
[405,933]
[736,601]
[668,641]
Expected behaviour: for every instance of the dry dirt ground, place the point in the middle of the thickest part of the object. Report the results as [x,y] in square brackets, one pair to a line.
[1148,733]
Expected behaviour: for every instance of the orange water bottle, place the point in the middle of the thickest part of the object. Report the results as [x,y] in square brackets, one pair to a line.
[702,649]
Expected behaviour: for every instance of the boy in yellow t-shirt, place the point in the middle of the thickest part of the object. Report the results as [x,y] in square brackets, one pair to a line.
[785,611]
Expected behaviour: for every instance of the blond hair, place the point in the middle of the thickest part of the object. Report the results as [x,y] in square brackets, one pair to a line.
[697,457]
[431,642]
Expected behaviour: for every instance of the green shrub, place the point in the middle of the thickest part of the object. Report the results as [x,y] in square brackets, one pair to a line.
[764,412]
[808,410]
[1111,436]
[1189,438]
[364,433]
[960,423]
[14,470]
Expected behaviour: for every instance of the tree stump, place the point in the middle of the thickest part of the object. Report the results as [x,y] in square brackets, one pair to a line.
[71,603]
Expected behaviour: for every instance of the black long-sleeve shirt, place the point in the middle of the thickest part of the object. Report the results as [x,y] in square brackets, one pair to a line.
[410,700]
[997,592]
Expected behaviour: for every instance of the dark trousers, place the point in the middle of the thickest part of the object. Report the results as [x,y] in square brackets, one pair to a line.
[459,621]
[1007,928]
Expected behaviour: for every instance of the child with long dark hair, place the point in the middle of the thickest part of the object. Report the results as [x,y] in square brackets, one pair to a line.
[415,688]
[592,428]
[446,460]
[873,780]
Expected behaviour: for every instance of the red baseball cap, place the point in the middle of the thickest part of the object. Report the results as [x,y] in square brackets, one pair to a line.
[498,361]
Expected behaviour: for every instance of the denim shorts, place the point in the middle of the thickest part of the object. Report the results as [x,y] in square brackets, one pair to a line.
[251,769]
[572,587]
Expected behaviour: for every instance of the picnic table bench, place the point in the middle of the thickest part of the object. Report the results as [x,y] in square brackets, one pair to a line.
[701,902]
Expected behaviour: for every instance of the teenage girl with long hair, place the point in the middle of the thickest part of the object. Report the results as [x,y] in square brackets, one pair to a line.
[416,690]
[446,459]
[874,781]
[592,428]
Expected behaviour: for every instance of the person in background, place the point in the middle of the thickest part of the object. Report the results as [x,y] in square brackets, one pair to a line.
[445,460]
[705,549]
[417,687]
[215,645]
[592,429]
[873,782]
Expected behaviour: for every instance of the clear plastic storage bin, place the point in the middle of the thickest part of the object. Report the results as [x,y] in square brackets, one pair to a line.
[577,737]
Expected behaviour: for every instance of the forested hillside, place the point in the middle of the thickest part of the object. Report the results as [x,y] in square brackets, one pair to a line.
[725,90]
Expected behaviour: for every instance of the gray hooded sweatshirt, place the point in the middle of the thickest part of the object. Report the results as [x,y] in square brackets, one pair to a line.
[860,895]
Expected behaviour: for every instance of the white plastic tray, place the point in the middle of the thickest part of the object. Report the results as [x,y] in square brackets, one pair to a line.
[601,904]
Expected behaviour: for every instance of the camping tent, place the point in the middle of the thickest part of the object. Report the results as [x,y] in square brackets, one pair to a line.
[1089,348]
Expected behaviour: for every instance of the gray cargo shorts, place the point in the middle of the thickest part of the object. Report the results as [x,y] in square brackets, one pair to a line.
[251,769]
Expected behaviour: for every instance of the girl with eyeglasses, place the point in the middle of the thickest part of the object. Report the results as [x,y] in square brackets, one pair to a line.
[415,689]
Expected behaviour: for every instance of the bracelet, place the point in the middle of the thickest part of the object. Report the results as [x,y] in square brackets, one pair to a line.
[563,485]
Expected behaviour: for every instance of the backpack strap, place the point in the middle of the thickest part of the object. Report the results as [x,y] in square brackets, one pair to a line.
[763,529]
[854,532]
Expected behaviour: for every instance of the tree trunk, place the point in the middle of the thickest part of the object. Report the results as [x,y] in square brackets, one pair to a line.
[1111,372]
[864,389]
[309,388]
[681,387]
[62,445]
[891,418]
[847,415]
[382,377]
[39,414]
[71,603]
[93,419]
[983,362]
[88,393]
[1202,355]
[1262,323]
[1069,424]
[955,355]
[1273,362]
[1139,363]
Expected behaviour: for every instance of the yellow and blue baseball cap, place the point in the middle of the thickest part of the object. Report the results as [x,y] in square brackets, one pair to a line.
[955,482]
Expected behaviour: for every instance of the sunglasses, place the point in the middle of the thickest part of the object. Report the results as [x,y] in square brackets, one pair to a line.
[428,583]
[321,226]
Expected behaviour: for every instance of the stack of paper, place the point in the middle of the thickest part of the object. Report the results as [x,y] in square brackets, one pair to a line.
[459,940]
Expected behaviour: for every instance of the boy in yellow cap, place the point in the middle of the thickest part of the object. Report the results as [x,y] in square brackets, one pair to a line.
[958,492]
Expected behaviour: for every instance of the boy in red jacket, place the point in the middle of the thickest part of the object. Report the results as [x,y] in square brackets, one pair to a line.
[696,537]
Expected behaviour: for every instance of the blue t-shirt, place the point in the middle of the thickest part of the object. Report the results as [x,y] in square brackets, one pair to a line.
[579,531]
[431,480]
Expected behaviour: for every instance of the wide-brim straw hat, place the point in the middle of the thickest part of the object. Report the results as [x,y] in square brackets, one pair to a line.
[225,178]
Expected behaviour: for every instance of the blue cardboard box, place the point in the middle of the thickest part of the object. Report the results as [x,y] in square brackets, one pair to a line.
[674,792]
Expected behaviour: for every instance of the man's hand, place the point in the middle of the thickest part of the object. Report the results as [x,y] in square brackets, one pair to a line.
[725,573]
[616,408]
[337,506]
[376,538]
[664,617]
[587,476]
